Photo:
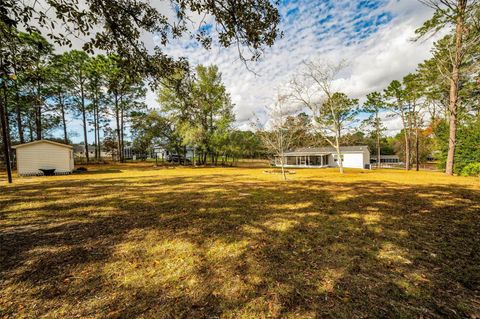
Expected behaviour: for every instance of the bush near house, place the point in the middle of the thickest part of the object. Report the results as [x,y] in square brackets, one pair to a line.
[472,169]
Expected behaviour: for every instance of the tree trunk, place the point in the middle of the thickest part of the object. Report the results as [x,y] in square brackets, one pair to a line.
[64,122]
[122,145]
[283,167]
[417,146]
[339,160]
[97,124]
[5,140]
[30,129]
[38,110]
[84,119]
[95,129]
[379,157]
[453,99]
[38,122]
[5,109]
[183,160]
[38,114]
[193,158]
[117,119]
[407,150]
[18,114]
[17,99]
[339,155]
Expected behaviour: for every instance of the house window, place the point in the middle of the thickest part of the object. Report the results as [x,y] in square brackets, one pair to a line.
[325,160]
[335,157]
[291,160]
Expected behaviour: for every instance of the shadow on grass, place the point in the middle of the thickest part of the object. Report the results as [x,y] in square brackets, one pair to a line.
[98,171]
[222,246]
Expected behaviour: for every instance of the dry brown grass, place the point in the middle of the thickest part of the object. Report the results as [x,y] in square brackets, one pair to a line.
[133,241]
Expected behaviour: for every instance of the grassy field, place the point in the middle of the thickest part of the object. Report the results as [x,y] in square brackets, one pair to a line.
[135,241]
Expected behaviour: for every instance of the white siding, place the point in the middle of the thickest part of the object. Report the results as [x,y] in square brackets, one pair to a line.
[353,160]
[30,158]
[350,160]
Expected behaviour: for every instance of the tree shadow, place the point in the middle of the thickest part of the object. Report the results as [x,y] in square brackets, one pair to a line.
[220,245]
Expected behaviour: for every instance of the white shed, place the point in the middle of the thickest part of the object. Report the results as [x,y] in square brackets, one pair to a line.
[43,154]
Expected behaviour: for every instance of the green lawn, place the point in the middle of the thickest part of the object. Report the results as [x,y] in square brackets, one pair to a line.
[135,241]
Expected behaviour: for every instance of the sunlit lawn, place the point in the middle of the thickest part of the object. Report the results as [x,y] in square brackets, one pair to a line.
[134,241]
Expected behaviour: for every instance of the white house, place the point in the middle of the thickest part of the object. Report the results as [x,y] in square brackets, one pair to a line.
[79,151]
[352,156]
[387,160]
[162,153]
[34,156]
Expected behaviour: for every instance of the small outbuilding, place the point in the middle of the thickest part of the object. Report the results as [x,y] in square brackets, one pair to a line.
[40,155]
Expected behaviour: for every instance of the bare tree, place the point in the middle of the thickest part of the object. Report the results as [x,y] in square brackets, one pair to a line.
[277,135]
[333,112]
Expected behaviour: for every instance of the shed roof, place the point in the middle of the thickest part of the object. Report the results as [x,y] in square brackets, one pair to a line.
[326,150]
[42,141]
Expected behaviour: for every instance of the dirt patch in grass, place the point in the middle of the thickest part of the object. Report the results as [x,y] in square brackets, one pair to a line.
[237,243]
[278,171]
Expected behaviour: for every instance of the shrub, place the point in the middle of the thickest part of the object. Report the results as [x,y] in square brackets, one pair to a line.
[472,169]
[468,145]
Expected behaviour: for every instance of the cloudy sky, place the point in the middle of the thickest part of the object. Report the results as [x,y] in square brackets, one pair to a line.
[373,36]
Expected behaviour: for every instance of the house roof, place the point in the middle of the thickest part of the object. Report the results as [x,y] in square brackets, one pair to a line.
[326,150]
[42,141]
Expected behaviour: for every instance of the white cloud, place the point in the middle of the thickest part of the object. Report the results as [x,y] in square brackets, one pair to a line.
[330,30]
[376,40]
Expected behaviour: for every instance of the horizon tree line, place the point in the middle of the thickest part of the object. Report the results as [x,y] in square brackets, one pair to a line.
[49,90]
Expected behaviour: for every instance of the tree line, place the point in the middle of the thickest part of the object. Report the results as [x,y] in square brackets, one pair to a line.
[443,94]
[116,28]
[196,114]
[48,90]
[438,105]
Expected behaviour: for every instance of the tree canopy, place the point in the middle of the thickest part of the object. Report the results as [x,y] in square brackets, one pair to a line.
[119,27]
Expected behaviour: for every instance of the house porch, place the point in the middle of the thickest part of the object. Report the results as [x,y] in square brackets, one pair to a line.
[304,161]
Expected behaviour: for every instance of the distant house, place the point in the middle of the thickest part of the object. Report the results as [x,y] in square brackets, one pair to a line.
[352,157]
[34,156]
[79,151]
[159,152]
[386,159]
[163,154]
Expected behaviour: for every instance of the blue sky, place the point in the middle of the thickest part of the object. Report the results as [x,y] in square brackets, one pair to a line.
[373,36]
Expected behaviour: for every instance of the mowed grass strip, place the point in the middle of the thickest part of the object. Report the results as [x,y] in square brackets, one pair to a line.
[132,241]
